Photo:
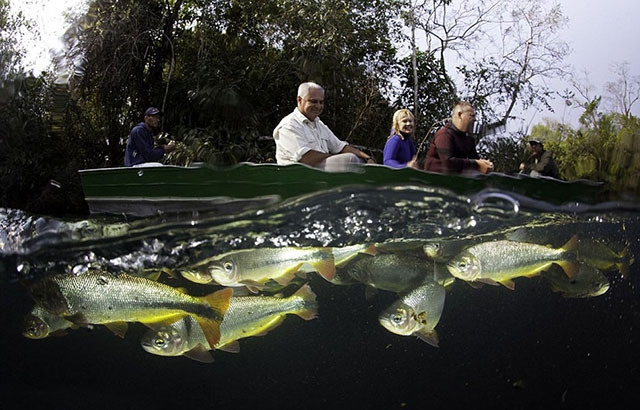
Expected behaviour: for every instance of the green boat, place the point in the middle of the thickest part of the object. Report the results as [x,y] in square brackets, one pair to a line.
[147,191]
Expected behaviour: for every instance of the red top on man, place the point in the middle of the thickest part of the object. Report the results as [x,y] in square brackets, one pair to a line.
[453,148]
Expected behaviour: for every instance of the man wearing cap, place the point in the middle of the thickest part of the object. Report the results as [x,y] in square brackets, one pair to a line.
[141,148]
[540,162]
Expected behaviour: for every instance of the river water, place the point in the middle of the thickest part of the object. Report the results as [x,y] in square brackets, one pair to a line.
[526,348]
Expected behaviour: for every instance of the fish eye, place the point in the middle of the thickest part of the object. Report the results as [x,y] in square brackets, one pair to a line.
[464,263]
[228,266]
[398,316]
[159,342]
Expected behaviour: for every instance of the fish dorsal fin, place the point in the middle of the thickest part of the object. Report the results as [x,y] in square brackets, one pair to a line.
[200,354]
[231,347]
[119,328]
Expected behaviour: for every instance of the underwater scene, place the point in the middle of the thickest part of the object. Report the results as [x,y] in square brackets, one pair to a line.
[393,297]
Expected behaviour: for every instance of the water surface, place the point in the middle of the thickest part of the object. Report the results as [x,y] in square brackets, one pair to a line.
[525,348]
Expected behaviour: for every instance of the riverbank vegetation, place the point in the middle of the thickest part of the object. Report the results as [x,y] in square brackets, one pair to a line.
[225,72]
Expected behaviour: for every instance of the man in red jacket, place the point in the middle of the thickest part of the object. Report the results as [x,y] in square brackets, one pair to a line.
[453,148]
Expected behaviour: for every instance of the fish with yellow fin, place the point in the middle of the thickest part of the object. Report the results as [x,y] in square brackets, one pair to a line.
[499,262]
[416,313]
[254,267]
[247,316]
[97,297]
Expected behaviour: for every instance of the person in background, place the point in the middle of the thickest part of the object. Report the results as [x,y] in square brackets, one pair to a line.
[540,162]
[141,148]
[301,137]
[400,149]
[453,148]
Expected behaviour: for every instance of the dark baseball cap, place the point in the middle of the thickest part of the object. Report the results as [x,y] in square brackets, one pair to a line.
[153,111]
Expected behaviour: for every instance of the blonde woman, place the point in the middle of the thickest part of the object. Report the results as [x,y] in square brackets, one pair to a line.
[400,150]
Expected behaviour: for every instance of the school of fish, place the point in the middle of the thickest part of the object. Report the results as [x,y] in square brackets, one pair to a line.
[256,289]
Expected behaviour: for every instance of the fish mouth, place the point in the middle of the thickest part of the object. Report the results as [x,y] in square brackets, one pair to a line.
[602,290]
[196,277]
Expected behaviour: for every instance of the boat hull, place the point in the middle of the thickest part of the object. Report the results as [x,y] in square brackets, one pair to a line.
[150,191]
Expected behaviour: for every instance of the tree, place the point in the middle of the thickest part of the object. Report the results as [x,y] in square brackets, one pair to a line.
[10,53]
[624,92]
[434,100]
[502,49]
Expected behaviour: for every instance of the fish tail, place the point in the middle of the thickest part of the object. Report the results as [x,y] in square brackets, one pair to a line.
[370,250]
[572,244]
[625,261]
[219,302]
[310,310]
[570,267]
[210,328]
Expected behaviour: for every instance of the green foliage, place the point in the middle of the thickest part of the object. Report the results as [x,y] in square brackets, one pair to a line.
[38,169]
[434,102]
[605,148]
[226,71]
[11,53]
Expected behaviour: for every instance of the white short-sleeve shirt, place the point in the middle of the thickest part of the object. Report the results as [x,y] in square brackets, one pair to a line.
[296,135]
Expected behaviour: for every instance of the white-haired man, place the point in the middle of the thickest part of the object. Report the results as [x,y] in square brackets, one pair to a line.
[301,137]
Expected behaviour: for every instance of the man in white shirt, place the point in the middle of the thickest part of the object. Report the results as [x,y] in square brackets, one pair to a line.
[302,137]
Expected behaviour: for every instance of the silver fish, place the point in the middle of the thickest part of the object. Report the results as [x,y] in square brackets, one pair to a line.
[499,262]
[395,272]
[247,316]
[416,313]
[97,297]
[254,267]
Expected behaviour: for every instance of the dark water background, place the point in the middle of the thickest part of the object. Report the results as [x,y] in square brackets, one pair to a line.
[529,348]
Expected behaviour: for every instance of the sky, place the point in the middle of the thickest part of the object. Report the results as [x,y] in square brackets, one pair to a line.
[599,32]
